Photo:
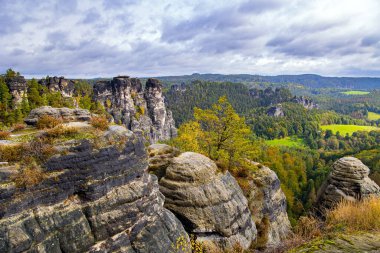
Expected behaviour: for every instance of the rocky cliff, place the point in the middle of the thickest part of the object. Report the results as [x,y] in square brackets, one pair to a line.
[64,114]
[59,84]
[137,107]
[305,102]
[348,180]
[267,203]
[18,87]
[90,200]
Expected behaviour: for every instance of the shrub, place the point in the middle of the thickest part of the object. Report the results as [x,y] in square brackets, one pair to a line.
[47,121]
[39,149]
[308,227]
[356,216]
[61,131]
[19,127]
[4,135]
[11,153]
[100,123]
[29,176]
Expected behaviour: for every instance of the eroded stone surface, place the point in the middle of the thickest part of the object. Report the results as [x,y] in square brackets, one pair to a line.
[348,180]
[65,114]
[210,204]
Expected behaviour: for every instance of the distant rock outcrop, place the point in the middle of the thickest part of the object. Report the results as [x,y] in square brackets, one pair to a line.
[209,204]
[267,203]
[65,114]
[59,84]
[348,180]
[276,111]
[90,200]
[137,108]
[18,87]
[305,102]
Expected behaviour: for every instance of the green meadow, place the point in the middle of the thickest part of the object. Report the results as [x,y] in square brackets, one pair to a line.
[288,142]
[355,92]
[349,129]
[373,116]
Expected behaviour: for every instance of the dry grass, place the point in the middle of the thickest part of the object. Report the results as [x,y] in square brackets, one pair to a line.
[61,131]
[356,216]
[100,123]
[18,127]
[47,121]
[5,135]
[29,176]
[11,153]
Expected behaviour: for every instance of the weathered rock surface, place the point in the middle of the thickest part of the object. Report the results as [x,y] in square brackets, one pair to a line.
[137,108]
[305,102]
[276,111]
[90,201]
[65,114]
[360,242]
[209,204]
[59,84]
[160,157]
[348,180]
[267,203]
[18,87]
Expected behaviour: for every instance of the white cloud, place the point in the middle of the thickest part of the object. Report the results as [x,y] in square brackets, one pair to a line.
[147,38]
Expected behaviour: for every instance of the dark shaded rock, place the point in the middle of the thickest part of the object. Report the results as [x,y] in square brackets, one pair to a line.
[137,108]
[65,114]
[348,180]
[92,200]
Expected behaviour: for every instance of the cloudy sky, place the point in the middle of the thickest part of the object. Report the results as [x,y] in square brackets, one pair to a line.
[94,38]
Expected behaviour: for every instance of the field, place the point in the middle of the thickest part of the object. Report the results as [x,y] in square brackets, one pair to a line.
[355,92]
[348,129]
[373,116]
[288,142]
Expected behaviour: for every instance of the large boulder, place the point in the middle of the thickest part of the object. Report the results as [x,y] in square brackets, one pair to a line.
[90,200]
[267,203]
[209,204]
[348,180]
[64,114]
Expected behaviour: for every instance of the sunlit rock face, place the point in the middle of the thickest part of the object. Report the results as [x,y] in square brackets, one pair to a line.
[91,200]
[348,180]
[209,204]
[59,84]
[18,88]
[136,107]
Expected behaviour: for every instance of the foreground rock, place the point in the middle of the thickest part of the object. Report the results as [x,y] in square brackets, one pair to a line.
[348,180]
[209,204]
[64,114]
[91,200]
[267,203]
[359,242]
[137,108]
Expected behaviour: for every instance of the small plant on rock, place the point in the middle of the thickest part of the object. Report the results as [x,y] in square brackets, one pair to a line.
[29,175]
[4,135]
[100,123]
[47,121]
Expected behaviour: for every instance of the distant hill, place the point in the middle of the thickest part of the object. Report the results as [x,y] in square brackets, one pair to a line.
[309,80]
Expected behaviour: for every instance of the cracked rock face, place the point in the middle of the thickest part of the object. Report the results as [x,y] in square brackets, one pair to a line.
[267,203]
[92,200]
[59,84]
[137,108]
[209,204]
[348,180]
[17,87]
[65,114]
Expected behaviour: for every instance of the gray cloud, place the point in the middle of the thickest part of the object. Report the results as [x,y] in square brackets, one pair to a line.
[258,6]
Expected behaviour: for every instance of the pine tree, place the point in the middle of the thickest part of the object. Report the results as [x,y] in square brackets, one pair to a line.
[5,96]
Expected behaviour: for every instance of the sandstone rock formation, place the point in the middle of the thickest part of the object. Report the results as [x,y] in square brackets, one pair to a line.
[305,102]
[348,180]
[267,203]
[91,200]
[137,108]
[160,157]
[276,111]
[18,87]
[209,204]
[65,114]
[59,84]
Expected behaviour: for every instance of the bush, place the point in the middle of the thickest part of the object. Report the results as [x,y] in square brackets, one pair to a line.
[18,127]
[39,149]
[29,176]
[11,153]
[100,123]
[47,121]
[5,135]
[61,131]
[356,216]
